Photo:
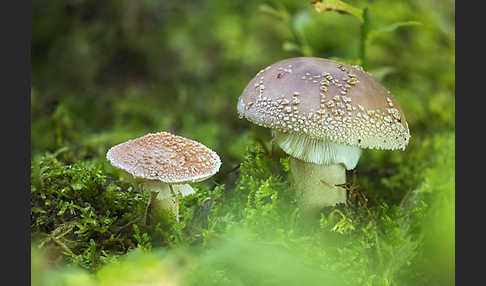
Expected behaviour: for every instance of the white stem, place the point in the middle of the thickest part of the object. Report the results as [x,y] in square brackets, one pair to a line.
[171,203]
[167,195]
[315,185]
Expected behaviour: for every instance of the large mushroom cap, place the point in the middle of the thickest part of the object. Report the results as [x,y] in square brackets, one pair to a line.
[325,100]
[165,157]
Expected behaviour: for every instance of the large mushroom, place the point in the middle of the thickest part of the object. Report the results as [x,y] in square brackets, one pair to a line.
[322,113]
[167,164]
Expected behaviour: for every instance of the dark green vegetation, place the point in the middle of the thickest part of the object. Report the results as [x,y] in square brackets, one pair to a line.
[104,72]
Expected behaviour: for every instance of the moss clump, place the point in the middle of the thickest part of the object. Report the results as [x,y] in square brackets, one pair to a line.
[81,211]
[87,218]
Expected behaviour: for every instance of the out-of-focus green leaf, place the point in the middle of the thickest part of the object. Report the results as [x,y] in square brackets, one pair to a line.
[394,26]
[279,13]
[338,6]
[390,28]
[300,20]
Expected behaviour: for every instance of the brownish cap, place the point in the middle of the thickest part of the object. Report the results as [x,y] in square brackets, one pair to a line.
[165,157]
[325,100]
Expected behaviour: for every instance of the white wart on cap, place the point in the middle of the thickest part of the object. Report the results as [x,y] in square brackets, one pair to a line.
[165,157]
[323,111]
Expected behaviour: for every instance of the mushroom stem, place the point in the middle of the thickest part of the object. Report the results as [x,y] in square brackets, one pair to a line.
[148,208]
[170,203]
[160,199]
[315,185]
[164,197]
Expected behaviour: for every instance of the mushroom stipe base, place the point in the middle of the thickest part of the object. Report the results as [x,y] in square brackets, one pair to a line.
[164,197]
[148,209]
[315,185]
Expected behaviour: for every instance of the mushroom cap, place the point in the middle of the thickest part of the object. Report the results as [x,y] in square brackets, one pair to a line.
[165,157]
[325,100]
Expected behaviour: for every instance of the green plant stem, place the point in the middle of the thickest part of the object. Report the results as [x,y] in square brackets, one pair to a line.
[365,29]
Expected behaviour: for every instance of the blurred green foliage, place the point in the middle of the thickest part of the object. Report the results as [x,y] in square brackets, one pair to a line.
[104,72]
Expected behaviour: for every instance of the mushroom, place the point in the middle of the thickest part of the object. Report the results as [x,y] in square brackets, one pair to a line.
[322,113]
[167,163]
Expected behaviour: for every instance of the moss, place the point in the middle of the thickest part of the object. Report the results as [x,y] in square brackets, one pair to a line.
[74,205]
[372,244]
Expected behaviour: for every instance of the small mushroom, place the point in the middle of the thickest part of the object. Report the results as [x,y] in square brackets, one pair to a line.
[167,163]
[336,111]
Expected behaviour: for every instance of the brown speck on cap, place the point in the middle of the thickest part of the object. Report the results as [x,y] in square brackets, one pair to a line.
[165,157]
[369,116]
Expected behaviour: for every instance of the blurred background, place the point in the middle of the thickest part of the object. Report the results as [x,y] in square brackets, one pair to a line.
[107,71]
[103,72]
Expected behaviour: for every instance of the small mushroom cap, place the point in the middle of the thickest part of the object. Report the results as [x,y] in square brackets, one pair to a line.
[165,157]
[325,100]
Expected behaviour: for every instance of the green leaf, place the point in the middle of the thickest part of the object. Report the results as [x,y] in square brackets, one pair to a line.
[338,6]
[280,13]
[300,20]
[393,27]
[78,186]
[38,210]
[390,28]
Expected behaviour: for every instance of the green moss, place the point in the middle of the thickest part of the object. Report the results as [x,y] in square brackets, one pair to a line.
[74,205]
[373,245]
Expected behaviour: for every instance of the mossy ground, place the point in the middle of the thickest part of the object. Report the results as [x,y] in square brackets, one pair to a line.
[114,72]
